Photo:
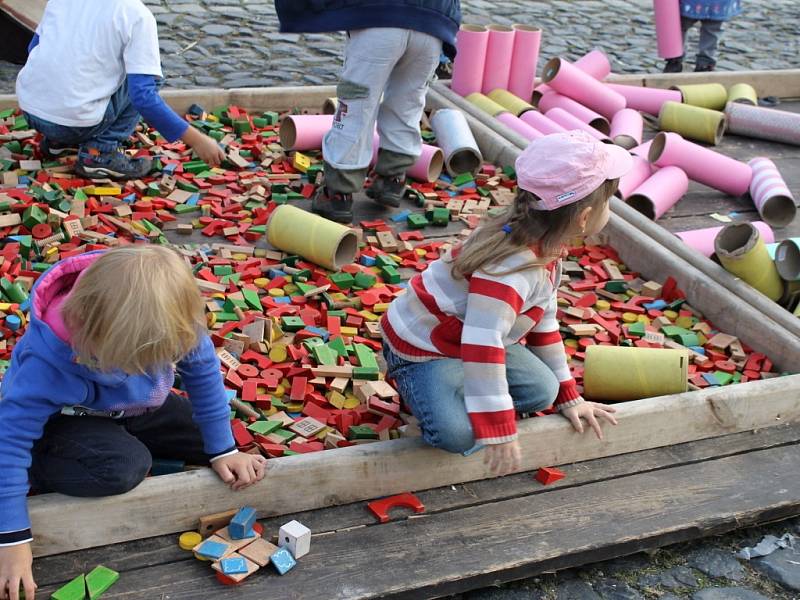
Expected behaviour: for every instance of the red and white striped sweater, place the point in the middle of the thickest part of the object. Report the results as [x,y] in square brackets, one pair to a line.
[475,319]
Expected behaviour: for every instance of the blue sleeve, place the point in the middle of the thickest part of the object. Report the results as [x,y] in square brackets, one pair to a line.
[24,410]
[34,42]
[143,92]
[201,377]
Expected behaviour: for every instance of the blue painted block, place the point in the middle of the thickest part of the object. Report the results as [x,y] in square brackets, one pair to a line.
[233,565]
[275,273]
[323,333]
[241,526]
[401,216]
[367,261]
[282,300]
[283,560]
[656,305]
[193,200]
[211,550]
[711,379]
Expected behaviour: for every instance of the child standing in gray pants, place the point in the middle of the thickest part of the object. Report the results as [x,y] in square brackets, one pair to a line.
[392,51]
[711,14]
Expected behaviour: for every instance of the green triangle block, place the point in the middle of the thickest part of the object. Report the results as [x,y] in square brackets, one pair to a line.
[74,590]
[99,580]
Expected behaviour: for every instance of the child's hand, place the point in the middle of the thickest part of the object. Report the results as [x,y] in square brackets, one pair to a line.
[206,148]
[16,564]
[590,411]
[503,458]
[240,470]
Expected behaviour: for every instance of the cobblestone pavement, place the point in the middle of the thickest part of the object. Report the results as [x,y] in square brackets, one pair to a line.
[235,43]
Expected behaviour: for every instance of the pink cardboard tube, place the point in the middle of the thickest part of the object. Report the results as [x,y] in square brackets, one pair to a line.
[701,164]
[660,192]
[471,41]
[702,240]
[570,122]
[641,170]
[646,99]
[304,132]
[540,122]
[626,128]
[520,126]
[642,150]
[770,194]
[497,68]
[553,99]
[427,167]
[595,63]
[523,60]
[569,80]
[668,28]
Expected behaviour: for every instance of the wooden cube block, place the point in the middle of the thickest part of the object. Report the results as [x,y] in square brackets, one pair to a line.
[296,537]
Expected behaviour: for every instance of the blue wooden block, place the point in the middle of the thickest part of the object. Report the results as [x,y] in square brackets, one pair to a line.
[233,565]
[367,261]
[241,526]
[401,216]
[211,550]
[283,560]
[711,379]
[656,304]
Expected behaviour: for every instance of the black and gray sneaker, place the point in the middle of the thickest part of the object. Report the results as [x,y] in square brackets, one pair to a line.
[674,65]
[51,151]
[387,190]
[93,164]
[334,206]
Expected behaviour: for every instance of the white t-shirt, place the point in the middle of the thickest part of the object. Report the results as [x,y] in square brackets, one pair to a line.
[86,49]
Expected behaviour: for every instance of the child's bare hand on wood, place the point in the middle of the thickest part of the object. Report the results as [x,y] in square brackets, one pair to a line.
[16,568]
[206,148]
[240,470]
[590,411]
[503,458]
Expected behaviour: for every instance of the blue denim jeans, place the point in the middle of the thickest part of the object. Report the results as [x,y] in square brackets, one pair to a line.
[434,391]
[117,125]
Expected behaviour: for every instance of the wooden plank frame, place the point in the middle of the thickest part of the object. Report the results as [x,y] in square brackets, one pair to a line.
[782,83]
[27,13]
[172,503]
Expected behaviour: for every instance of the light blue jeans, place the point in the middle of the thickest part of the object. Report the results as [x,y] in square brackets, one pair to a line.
[434,391]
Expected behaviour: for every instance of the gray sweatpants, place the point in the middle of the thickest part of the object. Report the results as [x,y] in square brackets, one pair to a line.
[710,31]
[394,63]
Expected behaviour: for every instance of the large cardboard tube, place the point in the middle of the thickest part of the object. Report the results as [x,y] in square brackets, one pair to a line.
[660,192]
[553,99]
[619,374]
[744,93]
[571,81]
[486,104]
[701,164]
[513,104]
[520,126]
[570,122]
[594,63]
[304,132]
[763,123]
[669,36]
[627,128]
[787,260]
[499,50]
[315,238]
[639,173]
[468,65]
[523,60]
[429,165]
[702,240]
[741,250]
[541,122]
[461,153]
[704,95]
[770,194]
[693,122]
[646,99]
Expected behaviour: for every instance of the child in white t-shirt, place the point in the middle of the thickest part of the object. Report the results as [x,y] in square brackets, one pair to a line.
[93,71]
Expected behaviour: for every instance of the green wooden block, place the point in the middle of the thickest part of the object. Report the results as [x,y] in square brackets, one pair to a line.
[616,287]
[74,590]
[181,185]
[292,323]
[390,275]
[313,342]
[217,135]
[417,221]
[304,288]
[325,355]
[242,126]
[637,329]
[368,373]
[364,280]
[342,280]
[265,427]
[331,313]
[260,122]
[252,298]
[509,170]
[278,403]
[195,166]
[99,580]
[673,331]
[723,377]
[365,356]
[285,434]
[361,432]
[280,198]
[33,215]
[440,216]
[224,317]
[183,209]
[688,339]
[463,178]
[271,117]
[233,303]
[220,270]
[338,346]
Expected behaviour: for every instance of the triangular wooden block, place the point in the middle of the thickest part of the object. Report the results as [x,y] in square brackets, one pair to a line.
[99,580]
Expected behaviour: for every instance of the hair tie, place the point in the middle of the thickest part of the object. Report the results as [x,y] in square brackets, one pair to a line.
[507,228]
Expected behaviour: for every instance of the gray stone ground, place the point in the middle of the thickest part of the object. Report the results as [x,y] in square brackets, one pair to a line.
[235,43]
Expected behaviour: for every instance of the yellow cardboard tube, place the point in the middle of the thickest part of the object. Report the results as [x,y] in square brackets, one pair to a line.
[704,95]
[486,104]
[744,93]
[693,122]
[512,103]
[741,250]
[319,240]
[617,374]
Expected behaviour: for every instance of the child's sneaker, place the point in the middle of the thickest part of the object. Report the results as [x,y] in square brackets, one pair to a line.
[674,65]
[93,164]
[55,151]
[704,67]
[334,206]
[387,190]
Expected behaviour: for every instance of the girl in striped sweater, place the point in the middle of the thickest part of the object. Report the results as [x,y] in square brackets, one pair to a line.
[475,340]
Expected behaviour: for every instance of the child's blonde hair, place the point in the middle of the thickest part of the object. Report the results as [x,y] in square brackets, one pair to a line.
[135,309]
[491,244]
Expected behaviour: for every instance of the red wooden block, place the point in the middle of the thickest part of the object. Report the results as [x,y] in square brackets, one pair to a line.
[298,393]
[548,475]
[381,508]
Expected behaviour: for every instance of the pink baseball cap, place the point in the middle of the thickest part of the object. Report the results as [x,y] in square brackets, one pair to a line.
[562,168]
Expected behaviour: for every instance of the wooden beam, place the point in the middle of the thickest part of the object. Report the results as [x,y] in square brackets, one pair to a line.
[172,503]
[27,13]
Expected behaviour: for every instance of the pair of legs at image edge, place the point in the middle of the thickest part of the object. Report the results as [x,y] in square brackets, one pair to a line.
[706,60]
[99,154]
[394,63]
[92,456]
[434,391]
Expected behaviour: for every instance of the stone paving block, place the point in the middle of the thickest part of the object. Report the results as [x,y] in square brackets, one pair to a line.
[717,563]
[782,566]
[730,593]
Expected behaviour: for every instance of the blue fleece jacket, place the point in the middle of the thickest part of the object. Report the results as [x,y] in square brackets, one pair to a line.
[43,378]
[439,18]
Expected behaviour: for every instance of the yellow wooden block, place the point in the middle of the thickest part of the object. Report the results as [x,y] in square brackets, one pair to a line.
[351,402]
[349,331]
[278,353]
[212,118]
[685,322]
[420,252]
[380,308]
[293,407]
[602,305]
[190,539]
[301,162]
[276,292]
[290,288]
[369,316]
[94,190]
[671,315]
[336,399]
[279,391]
[629,317]
[572,343]
[261,282]
[239,256]
[211,319]
[4,306]
[643,319]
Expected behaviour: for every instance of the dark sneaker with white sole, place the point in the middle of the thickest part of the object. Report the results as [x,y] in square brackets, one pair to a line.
[93,164]
[334,206]
[388,191]
[51,151]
